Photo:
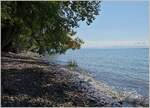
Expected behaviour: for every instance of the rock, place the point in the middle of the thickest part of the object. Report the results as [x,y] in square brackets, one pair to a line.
[67,104]
[145,102]
[120,102]
[116,104]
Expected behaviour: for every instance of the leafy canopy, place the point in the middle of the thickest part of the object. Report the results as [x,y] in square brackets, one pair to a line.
[44,26]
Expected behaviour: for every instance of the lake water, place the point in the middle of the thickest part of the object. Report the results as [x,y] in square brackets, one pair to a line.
[126,69]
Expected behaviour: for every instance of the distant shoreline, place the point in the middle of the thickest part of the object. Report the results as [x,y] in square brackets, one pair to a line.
[118,48]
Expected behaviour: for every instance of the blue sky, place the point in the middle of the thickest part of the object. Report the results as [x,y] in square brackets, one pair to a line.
[120,24]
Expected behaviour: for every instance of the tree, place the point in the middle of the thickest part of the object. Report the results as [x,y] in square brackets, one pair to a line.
[42,26]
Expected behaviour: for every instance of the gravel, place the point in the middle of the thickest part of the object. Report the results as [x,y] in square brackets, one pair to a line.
[29,82]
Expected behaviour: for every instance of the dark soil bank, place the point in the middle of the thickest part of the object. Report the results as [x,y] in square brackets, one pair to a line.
[31,82]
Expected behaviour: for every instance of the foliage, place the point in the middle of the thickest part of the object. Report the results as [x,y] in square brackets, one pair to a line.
[41,26]
[72,63]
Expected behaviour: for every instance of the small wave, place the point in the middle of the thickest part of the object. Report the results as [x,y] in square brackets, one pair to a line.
[129,97]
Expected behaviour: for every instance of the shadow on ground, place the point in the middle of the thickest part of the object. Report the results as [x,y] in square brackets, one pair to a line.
[30,86]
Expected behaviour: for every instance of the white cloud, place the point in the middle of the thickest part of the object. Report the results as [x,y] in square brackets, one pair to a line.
[103,44]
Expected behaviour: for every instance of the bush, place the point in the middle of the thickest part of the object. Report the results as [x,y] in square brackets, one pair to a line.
[72,63]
